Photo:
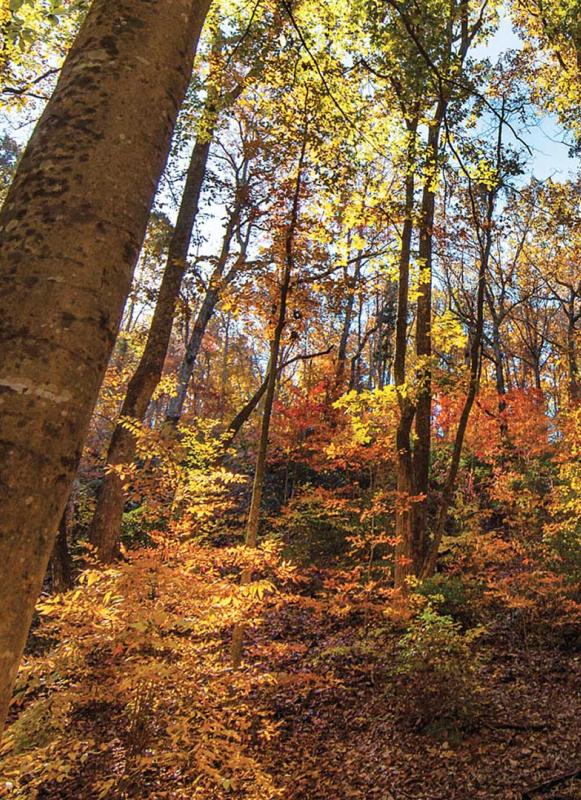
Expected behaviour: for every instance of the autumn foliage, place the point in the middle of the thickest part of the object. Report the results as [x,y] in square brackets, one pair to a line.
[322,535]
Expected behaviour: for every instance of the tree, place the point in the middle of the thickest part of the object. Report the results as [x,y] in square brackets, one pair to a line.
[421,55]
[278,324]
[552,56]
[72,226]
[106,525]
[219,278]
[481,200]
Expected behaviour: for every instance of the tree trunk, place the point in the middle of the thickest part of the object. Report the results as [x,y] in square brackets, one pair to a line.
[429,565]
[354,376]
[260,468]
[499,373]
[61,569]
[422,448]
[105,530]
[186,369]
[405,478]
[72,226]
[351,284]
[106,523]
[484,234]
[573,369]
[209,303]
[225,358]
[245,413]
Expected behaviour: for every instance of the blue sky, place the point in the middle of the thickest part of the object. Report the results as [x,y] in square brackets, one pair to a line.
[547,138]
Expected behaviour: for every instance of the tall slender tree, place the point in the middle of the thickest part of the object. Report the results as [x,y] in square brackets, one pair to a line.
[106,524]
[279,322]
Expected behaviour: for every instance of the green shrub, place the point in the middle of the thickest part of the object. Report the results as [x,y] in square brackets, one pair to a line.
[313,530]
[436,670]
[453,596]
[135,527]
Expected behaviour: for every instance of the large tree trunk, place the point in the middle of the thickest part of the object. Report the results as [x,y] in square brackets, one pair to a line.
[72,226]
[105,532]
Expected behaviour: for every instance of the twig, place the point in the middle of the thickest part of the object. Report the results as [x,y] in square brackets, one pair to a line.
[24,90]
[574,772]
[515,726]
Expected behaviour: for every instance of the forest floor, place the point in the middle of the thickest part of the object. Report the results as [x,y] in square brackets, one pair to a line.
[349,742]
[338,730]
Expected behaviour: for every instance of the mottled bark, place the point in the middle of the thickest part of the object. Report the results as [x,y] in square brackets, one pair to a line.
[71,228]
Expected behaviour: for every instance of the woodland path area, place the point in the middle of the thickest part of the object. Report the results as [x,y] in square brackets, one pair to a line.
[336,726]
[349,743]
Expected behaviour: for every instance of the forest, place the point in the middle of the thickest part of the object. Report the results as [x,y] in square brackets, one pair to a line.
[290,400]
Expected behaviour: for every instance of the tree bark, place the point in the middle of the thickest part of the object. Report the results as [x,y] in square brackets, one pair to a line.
[186,369]
[423,421]
[105,531]
[225,358]
[215,284]
[499,372]
[351,284]
[429,565]
[405,478]
[105,528]
[61,570]
[483,227]
[573,369]
[417,526]
[260,468]
[71,227]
